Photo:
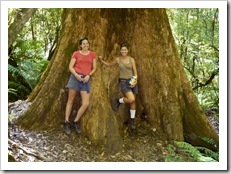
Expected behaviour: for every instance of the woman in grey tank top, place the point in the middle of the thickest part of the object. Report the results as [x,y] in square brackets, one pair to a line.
[128,72]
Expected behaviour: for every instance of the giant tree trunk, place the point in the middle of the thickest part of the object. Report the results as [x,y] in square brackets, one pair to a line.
[164,90]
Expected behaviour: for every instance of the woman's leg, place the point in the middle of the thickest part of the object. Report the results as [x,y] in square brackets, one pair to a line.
[130,98]
[70,101]
[133,104]
[71,97]
[85,103]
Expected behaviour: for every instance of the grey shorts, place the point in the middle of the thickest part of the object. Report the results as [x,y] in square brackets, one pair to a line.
[76,85]
[124,84]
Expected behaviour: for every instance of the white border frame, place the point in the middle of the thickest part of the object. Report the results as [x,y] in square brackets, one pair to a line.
[221,165]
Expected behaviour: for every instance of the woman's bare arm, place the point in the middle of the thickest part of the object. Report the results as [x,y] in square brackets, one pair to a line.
[114,62]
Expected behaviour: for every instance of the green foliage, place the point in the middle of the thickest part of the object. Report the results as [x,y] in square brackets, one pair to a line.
[196,33]
[173,156]
[209,153]
[32,70]
[13,70]
[209,141]
[29,71]
[199,154]
[17,90]
[12,92]
[29,49]
[28,57]
[44,27]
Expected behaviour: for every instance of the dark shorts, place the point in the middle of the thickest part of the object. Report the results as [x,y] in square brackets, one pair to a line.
[124,84]
[76,85]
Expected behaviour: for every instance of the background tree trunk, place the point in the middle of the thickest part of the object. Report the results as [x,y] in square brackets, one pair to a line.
[21,18]
[164,90]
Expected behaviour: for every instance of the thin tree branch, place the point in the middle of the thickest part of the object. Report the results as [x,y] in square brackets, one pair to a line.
[199,85]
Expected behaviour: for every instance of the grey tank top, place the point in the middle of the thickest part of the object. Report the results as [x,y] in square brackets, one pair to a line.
[126,70]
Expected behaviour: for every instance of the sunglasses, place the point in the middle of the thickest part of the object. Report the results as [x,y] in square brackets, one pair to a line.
[123,45]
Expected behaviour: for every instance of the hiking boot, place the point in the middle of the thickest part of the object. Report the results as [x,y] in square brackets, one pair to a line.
[67,128]
[143,115]
[76,127]
[115,105]
[132,123]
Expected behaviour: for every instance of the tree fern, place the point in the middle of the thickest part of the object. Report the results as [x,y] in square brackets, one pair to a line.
[32,70]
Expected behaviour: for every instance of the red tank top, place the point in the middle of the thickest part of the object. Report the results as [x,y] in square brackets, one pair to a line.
[84,63]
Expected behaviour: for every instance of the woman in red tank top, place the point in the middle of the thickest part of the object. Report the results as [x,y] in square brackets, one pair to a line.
[82,66]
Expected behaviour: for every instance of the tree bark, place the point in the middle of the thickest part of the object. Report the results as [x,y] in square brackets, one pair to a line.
[21,18]
[164,90]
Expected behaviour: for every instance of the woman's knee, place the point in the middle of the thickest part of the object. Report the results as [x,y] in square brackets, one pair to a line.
[71,96]
[131,100]
[70,100]
[85,105]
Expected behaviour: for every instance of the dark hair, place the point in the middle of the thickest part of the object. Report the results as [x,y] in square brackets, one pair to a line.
[123,44]
[82,39]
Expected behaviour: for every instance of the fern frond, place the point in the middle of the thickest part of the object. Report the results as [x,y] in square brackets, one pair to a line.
[24,89]
[13,84]
[13,70]
[202,158]
[17,87]
[188,148]
[12,91]
[172,156]
[196,154]
[32,71]
[209,141]
[209,153]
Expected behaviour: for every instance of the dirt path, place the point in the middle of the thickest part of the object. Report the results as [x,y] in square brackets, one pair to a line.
[57,147]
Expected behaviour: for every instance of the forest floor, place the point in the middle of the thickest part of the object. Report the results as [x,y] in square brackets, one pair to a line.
[57,147]
[143,145]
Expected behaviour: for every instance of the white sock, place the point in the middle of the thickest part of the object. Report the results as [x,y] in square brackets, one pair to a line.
[121,100]
[132,113]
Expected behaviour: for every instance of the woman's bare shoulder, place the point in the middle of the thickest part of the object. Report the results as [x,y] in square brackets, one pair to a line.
[132,59]
[117,59]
